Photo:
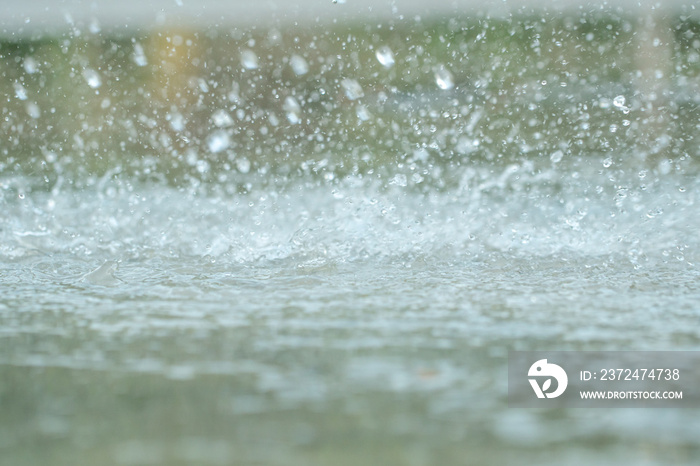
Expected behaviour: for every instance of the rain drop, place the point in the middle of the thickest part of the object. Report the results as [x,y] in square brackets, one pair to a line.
[385,56]
[299,65]
[352,89]
[177,121]
[218,141]
[92,78]
[139,55]
[249,60]
[243,165]
[399,180]
[444,79]
[362,113]
[30,65]
[556,156]
[221,118]
[292,109]
[20,91]
[33,110]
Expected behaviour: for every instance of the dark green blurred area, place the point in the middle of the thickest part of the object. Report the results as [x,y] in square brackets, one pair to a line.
[535,90]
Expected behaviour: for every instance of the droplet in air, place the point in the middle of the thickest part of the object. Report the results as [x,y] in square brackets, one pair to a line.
[362,113]
[249,60]
[556,156]
[221,118]
[293,110]
[619,101]
[399,180]
[299,65]
[607,162]
[243,165]
[139,55]
[20,91]
[92,78]
[203,85]
[385,56]
[352,89]
[444,79]
[177,121]
[33,110]
[218,141]
[30,65]
[95,27]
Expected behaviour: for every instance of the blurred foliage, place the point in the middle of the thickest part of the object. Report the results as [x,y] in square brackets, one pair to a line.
[182,106]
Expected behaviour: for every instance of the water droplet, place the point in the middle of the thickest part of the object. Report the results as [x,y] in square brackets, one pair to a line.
[221,118]
[92,78]
[292,109]
[203,85]
[202,166]
[218,141]
[20,91]
[139,55]
[299,65]
[385,56]
[399,180]
[619,101]
[243,165]
[362,113]
[177,121]
[444,79]
[352,89]
[665,166]
[33,110]
[249,60]
[607,162]
[30,65]
[95,27]
[556,156]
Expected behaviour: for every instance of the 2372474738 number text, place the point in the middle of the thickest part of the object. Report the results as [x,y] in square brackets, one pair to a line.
[639,374]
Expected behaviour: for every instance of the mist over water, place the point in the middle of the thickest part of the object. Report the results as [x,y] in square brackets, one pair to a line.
[316,245]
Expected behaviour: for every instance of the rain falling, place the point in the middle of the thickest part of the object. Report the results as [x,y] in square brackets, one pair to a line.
[311,233]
